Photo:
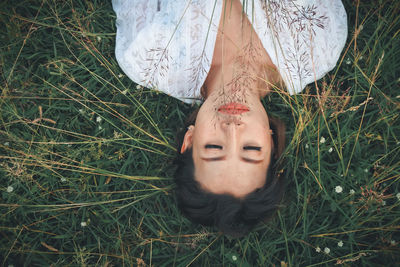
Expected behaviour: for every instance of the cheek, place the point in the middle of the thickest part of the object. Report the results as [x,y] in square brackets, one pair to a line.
[203,133]
[206,125]
[260,131]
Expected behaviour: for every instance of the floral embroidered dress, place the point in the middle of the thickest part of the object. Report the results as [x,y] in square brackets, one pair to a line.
[168,45]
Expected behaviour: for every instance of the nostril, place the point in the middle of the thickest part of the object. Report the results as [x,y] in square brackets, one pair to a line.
[233,123]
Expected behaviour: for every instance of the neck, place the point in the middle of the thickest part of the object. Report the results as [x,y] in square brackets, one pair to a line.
[235,80]
[240,64]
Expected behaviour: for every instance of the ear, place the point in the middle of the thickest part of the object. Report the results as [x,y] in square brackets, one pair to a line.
[187,139]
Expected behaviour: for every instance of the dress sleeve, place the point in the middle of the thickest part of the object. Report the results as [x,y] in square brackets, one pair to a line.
[167,45]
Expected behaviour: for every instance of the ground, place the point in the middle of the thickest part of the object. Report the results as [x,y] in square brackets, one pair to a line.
[86,155]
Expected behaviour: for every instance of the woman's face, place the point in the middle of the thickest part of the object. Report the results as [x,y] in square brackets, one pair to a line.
[231,145]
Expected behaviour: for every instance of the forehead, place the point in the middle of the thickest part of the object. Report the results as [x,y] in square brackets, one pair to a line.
[231,177]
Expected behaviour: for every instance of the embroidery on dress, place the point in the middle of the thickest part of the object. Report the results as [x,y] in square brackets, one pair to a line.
[295,26]
[199,63]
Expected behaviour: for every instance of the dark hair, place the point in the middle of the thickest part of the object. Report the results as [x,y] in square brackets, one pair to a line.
[233,216]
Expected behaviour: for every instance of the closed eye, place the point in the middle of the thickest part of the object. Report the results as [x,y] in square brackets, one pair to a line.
[252,148]
[213,146]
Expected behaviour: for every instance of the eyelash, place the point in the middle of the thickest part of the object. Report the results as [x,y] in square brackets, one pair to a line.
[252,148]
[213,146]
[257,148]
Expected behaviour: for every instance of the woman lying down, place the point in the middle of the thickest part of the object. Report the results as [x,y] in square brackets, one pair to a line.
[228,55]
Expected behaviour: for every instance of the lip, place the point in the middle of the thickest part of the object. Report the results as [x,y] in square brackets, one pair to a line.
[233,109]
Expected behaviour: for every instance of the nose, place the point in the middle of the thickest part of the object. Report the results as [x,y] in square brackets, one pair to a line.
[232,128]
[231,131]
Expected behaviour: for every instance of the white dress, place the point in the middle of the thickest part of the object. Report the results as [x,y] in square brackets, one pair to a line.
[168,45]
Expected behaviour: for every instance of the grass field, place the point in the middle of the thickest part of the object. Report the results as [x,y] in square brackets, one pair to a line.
[86,155]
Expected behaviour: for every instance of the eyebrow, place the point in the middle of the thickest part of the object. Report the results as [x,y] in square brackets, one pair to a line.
[243,158]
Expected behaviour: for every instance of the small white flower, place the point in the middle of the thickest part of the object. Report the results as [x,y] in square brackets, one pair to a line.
[234,258]
[348,62]
[322,140]
[98,119]
[120,75]
[138,87]
[383,202]
[63,179]
[307,146]
[125,91]
[98,38]
[361,58]
[10,189]
[361,27]
[100,128]
[6,143]
[318,249]
[81,111]
[338,189]
[352,191]
[327,250]
[366,170]
[330,150]
[340,243]
[392,242]
[83,224]
[398,196]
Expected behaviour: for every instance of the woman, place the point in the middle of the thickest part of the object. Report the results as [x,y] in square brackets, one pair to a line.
[231,54]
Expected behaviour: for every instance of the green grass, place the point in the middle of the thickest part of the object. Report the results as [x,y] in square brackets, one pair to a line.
[79,143]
